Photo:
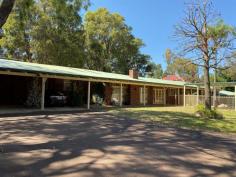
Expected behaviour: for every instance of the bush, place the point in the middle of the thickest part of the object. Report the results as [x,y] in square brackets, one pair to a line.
[203,112]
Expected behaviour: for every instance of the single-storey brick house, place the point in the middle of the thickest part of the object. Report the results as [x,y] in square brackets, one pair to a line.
[16,86]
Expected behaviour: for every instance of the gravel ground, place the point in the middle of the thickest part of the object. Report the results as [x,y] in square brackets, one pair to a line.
[99,144]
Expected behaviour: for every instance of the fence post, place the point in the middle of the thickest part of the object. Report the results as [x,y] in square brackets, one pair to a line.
[43,93]
[214,96]
[88,97]
[197,95]
[235,98]
[184,96]
[178,96]
[165,96]
[121,95]
[144,95]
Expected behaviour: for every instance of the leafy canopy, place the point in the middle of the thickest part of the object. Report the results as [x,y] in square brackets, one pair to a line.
[110,44]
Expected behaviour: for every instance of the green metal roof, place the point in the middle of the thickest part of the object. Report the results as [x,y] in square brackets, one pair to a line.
[161,81]
[19,66]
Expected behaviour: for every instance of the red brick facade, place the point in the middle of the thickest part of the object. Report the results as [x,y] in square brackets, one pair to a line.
[134,95]
[150,95]
[108,94]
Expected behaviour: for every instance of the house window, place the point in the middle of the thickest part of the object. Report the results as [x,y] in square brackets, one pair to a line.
[115,98]
[158,96]
[142,95]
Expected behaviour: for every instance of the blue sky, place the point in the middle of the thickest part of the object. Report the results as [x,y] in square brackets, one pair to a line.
[153,20]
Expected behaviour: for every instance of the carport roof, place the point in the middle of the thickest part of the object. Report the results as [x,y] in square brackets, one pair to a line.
[35,68]
[226,93]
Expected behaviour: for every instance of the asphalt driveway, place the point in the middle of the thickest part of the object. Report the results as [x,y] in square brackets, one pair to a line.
[99,144]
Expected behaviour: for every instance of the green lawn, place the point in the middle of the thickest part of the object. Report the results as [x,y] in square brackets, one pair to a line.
[180,117]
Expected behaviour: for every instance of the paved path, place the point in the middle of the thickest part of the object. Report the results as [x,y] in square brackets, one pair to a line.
[98,144]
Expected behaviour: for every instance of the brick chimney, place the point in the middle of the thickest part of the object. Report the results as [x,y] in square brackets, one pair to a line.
[133,73]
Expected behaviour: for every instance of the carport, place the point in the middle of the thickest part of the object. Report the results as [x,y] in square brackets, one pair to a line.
[13,90]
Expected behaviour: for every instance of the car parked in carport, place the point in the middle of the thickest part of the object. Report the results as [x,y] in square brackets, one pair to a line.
[56,99]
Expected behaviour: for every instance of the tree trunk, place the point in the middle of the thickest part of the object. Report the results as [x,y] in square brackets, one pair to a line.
[5,10]
[214,91]
[215,80]
[207,87]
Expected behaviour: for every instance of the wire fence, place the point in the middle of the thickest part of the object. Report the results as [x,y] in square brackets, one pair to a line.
[221,101]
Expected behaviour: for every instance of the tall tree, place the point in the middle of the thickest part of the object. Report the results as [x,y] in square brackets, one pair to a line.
[17,37]
[46,31]
[110,45]
[154,70]
[196,40]
[222,36]
[168,56]
[228,74]
[58,34]
[183,68]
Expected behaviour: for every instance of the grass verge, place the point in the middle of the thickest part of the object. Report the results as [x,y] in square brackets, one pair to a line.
[180,117]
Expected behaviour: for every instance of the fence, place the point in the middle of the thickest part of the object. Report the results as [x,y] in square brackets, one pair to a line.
[221,101]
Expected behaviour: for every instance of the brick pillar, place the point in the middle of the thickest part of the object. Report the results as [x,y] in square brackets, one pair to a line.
[150,95]
[108,94]
[134,95]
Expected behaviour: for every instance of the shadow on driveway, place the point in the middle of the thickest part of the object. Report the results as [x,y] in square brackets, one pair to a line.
[99,144]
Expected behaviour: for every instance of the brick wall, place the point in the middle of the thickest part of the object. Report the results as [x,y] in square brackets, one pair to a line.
[108,94]
[134,95]
[150,95]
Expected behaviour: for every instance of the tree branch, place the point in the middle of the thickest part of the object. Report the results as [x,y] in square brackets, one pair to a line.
[5,9]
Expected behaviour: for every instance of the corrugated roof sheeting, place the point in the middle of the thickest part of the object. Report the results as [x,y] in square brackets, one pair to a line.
[226,93]
[19,66]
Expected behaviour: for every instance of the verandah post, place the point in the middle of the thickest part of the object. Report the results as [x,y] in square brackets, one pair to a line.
[175,97]
[144,95]
[235,98]
[184,96]
[178,96]
[43,93]
[197,95]
[121,94]
[88,99]
[165,96]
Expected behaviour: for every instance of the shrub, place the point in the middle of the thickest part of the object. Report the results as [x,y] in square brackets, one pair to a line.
[202,111]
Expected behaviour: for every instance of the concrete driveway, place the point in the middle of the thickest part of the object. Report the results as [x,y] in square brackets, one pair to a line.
[99,144]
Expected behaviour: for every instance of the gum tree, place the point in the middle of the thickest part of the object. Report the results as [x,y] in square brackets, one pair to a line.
[6,7]
[202,37]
